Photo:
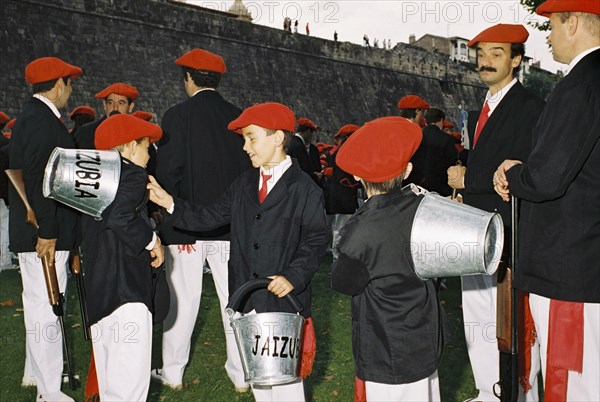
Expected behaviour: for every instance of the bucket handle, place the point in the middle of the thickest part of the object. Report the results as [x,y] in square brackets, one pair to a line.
[253,285]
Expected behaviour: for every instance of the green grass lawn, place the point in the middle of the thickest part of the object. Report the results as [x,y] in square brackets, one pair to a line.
[205,379]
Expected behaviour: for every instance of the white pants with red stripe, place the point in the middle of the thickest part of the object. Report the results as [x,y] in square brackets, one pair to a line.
[479,303]
[43,339]
[184,266]
[122,345]
[427,389]
[584,386]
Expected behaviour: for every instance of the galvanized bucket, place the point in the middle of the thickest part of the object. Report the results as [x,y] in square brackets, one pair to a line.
[270,344]
[452,239]
[84,179]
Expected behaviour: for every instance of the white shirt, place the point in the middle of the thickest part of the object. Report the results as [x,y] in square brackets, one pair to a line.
[49,104]
[276,171]
[494,100]
[203,89]
[579,57]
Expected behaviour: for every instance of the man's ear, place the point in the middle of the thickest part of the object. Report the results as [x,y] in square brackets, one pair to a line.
[408,170]
[131,105]
[279,138]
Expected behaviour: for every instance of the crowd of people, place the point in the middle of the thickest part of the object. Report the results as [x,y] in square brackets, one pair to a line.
[247,193]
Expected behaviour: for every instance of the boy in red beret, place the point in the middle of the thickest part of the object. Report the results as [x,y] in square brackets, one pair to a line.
[397,322]
[123,256]
[277,220]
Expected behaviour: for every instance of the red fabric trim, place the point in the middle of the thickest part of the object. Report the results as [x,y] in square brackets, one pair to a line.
[309,348]
[565,347]
[526,341]
[92,392]
[188,248]
[360,390]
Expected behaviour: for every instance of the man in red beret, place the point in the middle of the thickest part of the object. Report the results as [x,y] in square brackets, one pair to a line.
[121,284]
[559,188]
[82,115]
[116,98]
[198,158]
[397,332]
[37,132]
[302,149]
[502,129]
[413,107]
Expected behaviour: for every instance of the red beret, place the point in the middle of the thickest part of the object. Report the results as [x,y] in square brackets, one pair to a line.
[83,110]
[306,122]
[143,115]
[271,116]
[4,118]
[501,33]
[119,89]
[123,128]
[413,102]
[7,134]
[200,59]
[381,149]
[322,147]
[558,6]
[346,130]
[50,68]
[447,124]
[11,123]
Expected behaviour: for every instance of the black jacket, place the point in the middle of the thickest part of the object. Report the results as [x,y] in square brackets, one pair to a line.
[85,135]
[506,135]
[35,135]
[559,247]
[198,158]
[285,235]
[342,197]
[397,322]
[117,264]
[433,158]
[309,161]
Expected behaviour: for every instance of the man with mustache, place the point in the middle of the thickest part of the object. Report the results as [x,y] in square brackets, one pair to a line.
[117,98]
[502,128]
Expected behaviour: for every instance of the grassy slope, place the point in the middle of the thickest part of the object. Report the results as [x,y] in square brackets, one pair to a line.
[205,378]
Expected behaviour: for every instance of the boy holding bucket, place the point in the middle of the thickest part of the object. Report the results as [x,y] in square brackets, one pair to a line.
[121,260]
[396,318]
[277,219]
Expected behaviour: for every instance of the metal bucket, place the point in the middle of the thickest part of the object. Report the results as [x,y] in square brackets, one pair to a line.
[84,179]
[270,344]
[452,239]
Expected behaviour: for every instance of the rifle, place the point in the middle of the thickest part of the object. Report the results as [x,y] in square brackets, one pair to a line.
[507,388]
[75,267]
[55,298]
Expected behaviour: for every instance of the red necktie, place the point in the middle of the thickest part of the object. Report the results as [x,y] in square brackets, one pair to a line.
[262,193]
[483,118]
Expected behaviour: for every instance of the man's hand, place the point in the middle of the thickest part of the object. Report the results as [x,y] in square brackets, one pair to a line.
[280,286]
[46,248]
[158,195]
[158,253]
[456,177]
[500,181]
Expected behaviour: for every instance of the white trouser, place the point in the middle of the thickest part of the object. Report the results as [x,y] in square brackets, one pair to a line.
[584,386]
[339,220]
[427,389]
[122,345]
[184,274]
[43,338]
[479,305]
[5,255]
[292,392]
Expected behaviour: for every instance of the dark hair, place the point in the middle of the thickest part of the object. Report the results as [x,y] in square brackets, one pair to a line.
[203,78]
[434,115]
[286,140]
[302,129]
[517,49]
[82,119]
[47,85]
[408,113]
[385,187]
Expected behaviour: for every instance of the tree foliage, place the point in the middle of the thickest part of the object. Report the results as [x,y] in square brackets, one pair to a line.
[541,83]
[531,5]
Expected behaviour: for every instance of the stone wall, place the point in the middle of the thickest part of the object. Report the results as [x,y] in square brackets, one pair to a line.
[137,41]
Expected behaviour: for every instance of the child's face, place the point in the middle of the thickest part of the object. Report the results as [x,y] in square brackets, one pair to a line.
[140,154]
[263,150]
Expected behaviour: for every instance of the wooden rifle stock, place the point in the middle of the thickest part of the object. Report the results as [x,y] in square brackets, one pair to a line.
[507,320]
[54,296]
